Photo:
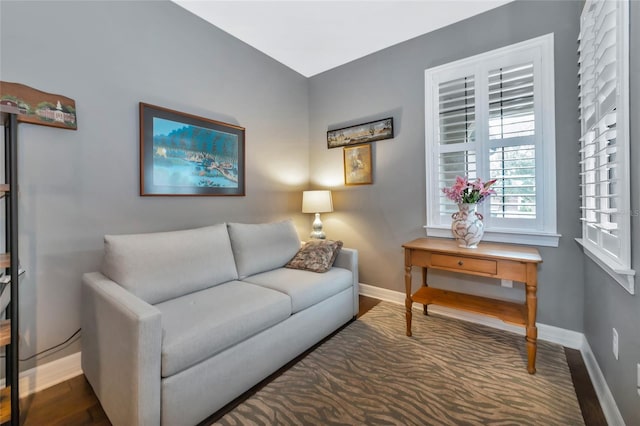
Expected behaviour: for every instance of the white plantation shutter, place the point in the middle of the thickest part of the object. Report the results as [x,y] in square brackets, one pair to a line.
[604,145]
[511,99]
[452,164]
[483,119]
[512,125]
[456,107]
[514,167]
[456,135]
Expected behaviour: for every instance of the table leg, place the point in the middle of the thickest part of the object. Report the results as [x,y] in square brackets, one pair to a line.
[424,284]
[408,303]
[532,330]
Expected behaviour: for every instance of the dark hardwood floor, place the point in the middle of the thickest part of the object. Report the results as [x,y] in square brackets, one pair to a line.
[587,398]
[68,403]
[74,403]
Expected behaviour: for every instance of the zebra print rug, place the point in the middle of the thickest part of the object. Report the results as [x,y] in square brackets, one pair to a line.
[449,373]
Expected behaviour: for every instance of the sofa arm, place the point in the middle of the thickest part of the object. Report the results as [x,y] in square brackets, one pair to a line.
[121,351]
[348,259]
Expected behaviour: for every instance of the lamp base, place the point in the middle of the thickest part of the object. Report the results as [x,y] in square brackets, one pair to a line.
[317,233]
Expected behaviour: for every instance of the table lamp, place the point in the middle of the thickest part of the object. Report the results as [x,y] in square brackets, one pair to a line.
[317,202]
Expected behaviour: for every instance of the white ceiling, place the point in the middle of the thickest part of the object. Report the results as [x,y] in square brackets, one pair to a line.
[314,36]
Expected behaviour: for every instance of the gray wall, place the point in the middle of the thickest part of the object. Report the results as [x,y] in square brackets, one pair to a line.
[108,56]
[378,218]
[607,304]
[77,186]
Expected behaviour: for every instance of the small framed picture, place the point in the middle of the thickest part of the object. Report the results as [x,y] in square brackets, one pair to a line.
[357,165]
[362,133]
[182,154]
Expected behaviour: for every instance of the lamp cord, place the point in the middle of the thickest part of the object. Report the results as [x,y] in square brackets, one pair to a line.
[76,333]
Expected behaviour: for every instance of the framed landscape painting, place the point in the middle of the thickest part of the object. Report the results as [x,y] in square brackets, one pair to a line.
[362,133]
[182,154]
[357,165]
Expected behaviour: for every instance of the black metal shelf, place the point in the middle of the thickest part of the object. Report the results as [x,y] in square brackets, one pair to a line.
[10,262]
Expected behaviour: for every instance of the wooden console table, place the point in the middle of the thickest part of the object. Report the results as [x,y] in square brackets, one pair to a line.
[493,260]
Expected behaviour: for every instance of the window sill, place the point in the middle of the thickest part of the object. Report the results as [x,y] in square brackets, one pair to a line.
[513,237]
[623,276]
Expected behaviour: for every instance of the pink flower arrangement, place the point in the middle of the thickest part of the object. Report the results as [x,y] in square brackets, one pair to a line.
[465,191]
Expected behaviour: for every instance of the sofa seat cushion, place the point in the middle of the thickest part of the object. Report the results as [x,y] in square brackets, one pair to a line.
[199,325]
[305,288]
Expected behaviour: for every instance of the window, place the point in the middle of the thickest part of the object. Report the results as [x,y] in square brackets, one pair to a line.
[604,145]
[492,116]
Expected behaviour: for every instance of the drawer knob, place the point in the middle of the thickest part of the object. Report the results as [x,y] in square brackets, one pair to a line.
[460,263]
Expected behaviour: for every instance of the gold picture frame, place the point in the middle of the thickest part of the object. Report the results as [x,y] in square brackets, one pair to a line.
[357,165]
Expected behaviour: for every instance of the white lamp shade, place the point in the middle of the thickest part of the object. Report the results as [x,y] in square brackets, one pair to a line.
[317,202]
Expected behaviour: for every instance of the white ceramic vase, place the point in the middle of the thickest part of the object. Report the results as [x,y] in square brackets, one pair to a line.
[467,226]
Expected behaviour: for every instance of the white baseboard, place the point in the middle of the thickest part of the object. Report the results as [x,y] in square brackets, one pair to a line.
[49,374]
[568,338]
[608,404]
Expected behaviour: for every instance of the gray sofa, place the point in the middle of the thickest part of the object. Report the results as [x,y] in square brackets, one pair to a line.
[178,324]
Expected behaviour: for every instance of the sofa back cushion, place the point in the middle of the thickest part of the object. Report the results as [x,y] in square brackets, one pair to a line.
[262,247]
[160,266]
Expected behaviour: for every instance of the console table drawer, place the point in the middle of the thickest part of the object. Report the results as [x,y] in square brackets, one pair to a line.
[464,263]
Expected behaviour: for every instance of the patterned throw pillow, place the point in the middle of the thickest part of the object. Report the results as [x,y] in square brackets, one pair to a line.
[316,256]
